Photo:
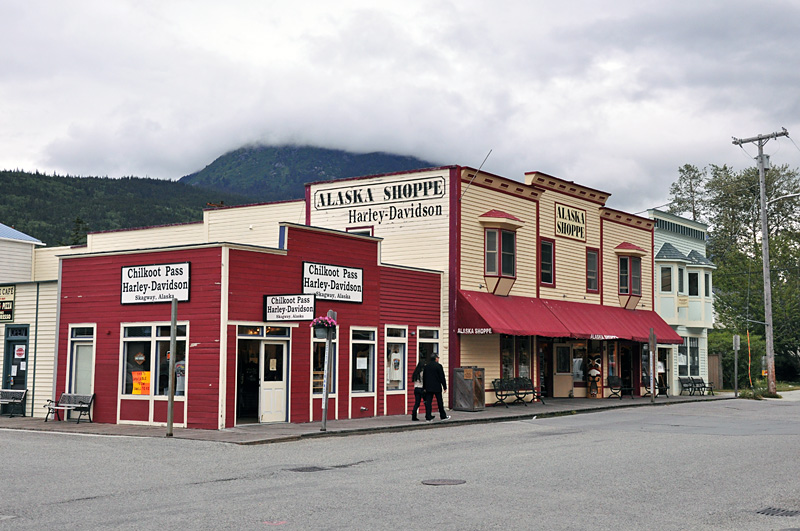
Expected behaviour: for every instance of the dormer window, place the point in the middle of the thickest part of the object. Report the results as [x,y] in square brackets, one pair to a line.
[629,258]
[500,250]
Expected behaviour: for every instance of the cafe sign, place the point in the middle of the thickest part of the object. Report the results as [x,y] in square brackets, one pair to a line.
[155,283]
[7,303]
[289,307]
[335,283]
[570,222]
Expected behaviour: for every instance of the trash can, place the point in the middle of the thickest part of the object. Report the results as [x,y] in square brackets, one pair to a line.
[468,389]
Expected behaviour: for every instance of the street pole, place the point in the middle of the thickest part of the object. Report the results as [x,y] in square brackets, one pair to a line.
[760,141]
[326,374]
[652,348]
[736,365]
[172,348]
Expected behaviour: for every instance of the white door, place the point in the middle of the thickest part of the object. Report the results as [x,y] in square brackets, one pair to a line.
[273,382]
[82,369]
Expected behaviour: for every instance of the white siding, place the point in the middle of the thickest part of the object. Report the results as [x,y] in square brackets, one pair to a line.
[16,259]
[145,238]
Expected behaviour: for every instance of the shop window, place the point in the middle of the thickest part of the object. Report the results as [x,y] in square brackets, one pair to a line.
[666,279]
[427,343]
[515,356]
[683,358]
[361,231]
[318,366]
[547,273]
[694,284]
[362,349]
[592,270]
[694,356]
[612,360]
[500,252]
[579,362]
[146,359]
[396,348]
[630,275]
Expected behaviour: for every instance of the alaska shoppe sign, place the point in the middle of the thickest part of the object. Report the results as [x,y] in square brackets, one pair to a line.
[330,282]
[570,222]
[155,283]
[385,202]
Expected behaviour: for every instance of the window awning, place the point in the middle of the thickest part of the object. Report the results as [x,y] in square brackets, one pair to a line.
[484,313]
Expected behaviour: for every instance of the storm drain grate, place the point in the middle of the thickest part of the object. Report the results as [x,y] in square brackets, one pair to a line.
[773,511]
[443,482]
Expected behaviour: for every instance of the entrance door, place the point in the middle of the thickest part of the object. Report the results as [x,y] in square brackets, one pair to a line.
[562,376]
[273,382]
[15,367]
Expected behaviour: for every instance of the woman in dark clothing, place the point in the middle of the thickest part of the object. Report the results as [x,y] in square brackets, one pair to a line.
[419,391]
[434,382]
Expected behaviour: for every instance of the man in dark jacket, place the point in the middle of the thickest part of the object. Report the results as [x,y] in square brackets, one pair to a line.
[434,382]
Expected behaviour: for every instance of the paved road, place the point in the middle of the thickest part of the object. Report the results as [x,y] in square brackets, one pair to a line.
[708,465]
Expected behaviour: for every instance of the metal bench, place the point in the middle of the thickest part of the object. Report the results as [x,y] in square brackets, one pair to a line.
[13,398]
[70,402]
[700,386]
[687,385]
[618,389]
[519,388]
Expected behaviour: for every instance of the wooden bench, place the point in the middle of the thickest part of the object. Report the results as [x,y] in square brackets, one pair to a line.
[617,388]
[519,388]
[13,398]
[701,387]
[70,402]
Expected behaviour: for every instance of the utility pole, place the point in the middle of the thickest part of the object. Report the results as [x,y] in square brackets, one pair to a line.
[762,160]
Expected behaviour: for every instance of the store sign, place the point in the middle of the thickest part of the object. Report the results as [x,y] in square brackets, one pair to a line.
[7,293]
[385,202]
[330,282]
[570,222]
[155,283]
[289,307]
[474,331]
[6,312]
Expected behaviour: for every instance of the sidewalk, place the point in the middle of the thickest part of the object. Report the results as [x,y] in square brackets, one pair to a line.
[283,432]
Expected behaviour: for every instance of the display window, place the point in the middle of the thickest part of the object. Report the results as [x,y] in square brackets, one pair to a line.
[146,358]
[362,360]
[396,348]
[427,343]
[318,365]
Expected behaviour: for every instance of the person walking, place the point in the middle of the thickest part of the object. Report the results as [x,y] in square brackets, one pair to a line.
[434,382]
[419,390]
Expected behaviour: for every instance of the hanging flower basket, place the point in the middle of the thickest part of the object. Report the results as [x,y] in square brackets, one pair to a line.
[321,325]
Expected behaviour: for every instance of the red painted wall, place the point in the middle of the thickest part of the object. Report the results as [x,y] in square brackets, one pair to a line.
[90,293]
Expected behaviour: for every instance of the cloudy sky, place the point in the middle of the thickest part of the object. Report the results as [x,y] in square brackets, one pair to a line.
[615,95]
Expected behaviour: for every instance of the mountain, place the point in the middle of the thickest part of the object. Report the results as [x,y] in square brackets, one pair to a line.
[60,210]
[273,173]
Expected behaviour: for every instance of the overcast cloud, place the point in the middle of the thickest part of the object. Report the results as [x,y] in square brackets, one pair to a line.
[613,95]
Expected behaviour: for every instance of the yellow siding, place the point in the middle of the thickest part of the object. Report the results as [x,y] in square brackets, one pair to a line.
[476,202]
[615,234]
[146,238]
[253,225]
[484,352]
[570,254]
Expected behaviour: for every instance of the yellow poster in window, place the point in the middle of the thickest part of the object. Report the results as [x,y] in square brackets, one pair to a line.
[141,382]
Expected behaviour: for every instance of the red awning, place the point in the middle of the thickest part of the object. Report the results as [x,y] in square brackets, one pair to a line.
[484,313]
[593,321]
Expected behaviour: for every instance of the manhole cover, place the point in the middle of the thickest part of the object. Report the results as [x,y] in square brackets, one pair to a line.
[773,511]
[444,481]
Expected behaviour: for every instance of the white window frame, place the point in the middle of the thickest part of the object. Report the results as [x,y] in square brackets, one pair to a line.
[154,340]
[661,271]
[428,340]
[696,274]
[394,340]
[374,353]
[334,365]
[81,340]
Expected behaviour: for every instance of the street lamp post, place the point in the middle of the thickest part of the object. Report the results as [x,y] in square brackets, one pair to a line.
[760,140]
